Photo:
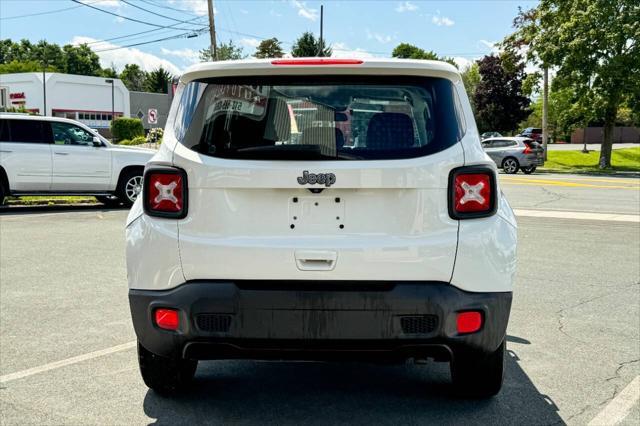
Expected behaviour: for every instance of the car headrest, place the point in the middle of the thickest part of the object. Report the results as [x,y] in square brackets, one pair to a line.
[388,130]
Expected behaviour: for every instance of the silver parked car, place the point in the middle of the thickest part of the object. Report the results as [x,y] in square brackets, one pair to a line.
[513,154]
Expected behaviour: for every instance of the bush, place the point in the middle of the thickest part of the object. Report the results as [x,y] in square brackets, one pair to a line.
[126,128]
[155,135]
[138,140]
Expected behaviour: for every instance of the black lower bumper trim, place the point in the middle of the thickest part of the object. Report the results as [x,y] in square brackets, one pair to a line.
[318,320]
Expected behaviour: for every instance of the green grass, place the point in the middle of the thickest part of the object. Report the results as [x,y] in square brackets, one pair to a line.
[625,160]
[48,200]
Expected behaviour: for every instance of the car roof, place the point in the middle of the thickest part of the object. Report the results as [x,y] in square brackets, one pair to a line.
[12,116]
[35,117]
[321,66]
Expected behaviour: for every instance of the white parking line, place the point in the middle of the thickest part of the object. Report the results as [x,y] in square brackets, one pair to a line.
[620,406]
[62,363]
[556,214]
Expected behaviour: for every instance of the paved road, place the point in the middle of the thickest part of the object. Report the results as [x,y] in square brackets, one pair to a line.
[573,335]
[590,146]
[582,193]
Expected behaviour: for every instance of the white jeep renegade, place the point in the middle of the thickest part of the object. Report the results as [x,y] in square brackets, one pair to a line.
[321,209]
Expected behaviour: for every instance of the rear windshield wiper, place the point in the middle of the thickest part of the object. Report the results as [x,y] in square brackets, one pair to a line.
[277,152]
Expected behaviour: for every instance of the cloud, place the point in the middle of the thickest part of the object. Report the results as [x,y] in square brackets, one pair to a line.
[406,6]
[188,55]
[249,42]
[463,63]
[274,13]
[199,7]
[244,11]
[380,38]
[442,21]
[342,50]
[491,45]
[119,58]
[304,11]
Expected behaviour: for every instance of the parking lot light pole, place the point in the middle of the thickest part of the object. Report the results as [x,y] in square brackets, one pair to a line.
[113,114]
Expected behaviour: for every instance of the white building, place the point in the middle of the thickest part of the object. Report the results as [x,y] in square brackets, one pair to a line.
[83,98]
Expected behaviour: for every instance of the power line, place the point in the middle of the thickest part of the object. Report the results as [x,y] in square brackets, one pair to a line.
[154,13]
[183,35]
[39,13]
[172,27]
[125,17]
[99,43]
[186,12]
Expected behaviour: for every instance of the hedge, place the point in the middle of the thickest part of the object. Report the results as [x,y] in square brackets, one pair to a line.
[126,128]
[138,140]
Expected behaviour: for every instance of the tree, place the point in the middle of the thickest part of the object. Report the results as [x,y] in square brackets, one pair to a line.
[471,80]
[594,46]
[226,52]
[308,46]
[409,51]
[49,53]
[81,60]
[109,72]
[133,77]
[24,66]
[564,114]
[158,81]
[269,48]
[500,104]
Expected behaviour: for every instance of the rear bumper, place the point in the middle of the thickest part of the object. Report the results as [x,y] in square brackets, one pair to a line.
[318,320]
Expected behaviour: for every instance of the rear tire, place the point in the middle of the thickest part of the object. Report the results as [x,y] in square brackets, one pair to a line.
[3,194]
[129,186]
[475,377]
[510,165]
[166,376]
[528,170]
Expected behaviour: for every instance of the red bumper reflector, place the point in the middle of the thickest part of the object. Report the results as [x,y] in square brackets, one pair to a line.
[317,61]
[469,322]
[167,319]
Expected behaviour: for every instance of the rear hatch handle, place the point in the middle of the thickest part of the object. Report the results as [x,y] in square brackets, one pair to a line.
[316,260]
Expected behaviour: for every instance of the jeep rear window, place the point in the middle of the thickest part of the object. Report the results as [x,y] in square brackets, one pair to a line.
[319,118]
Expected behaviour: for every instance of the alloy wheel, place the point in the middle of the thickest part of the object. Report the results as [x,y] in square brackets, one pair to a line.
[133,187]
[510,166]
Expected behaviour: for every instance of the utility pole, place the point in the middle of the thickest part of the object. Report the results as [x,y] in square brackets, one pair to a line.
[212,32]
[113,108]
[321,53]
[44,84]
[44,91]
[545,110]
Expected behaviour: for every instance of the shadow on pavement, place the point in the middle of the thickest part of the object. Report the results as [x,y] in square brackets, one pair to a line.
[56,208]
[295,393]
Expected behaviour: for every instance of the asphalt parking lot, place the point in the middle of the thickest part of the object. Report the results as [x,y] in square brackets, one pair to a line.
[67,354]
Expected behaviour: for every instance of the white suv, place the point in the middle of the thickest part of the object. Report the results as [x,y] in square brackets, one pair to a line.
[321,209]
[50,155]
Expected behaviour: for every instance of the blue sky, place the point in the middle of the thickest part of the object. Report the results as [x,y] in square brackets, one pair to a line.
[463,29]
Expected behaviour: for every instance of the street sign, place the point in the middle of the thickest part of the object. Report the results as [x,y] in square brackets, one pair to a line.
[152,116]
[140,114]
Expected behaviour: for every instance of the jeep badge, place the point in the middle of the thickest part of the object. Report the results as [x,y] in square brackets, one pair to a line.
[326,179]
